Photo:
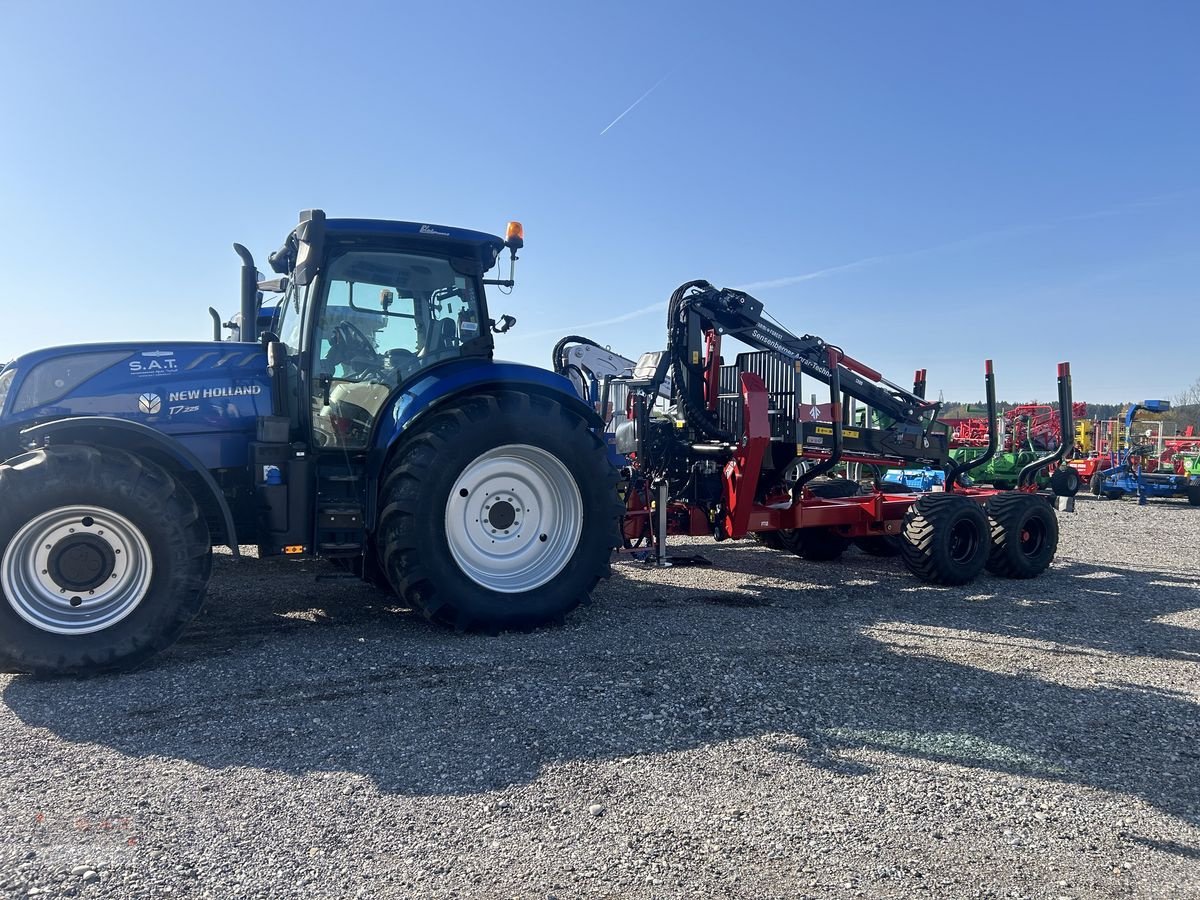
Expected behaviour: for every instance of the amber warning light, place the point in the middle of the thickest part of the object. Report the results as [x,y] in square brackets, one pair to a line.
[514,240]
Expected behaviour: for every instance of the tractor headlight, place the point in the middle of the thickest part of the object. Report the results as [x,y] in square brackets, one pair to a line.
[6,380]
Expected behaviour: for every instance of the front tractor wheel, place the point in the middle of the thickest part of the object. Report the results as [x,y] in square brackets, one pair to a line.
[105,560]
[945,539]
[501,512]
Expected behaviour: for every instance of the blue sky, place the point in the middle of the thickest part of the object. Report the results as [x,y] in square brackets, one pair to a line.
[925,184]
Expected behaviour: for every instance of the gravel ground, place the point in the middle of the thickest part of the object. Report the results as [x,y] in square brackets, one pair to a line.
[768,727]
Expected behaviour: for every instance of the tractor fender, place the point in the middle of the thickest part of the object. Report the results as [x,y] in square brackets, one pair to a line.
[447,382]
[123,434]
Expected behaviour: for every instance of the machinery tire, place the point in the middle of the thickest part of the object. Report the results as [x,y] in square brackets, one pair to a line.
[769,539]
[1113,495]
[1065,482]
[820,544]
[945,539]
[128,568]
[1193,495]
[498,467]
[834,488]
[884,545]
[791,539]
[1024,535]
[893,487]
[1096,483]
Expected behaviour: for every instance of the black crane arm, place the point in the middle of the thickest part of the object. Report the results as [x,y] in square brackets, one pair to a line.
[699,306]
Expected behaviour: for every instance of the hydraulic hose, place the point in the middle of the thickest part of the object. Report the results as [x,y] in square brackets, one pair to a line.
[558,358]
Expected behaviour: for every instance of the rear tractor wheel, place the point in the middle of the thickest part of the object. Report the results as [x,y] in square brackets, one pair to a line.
[945,539]
[105,560]
[1024,533]
[500,512]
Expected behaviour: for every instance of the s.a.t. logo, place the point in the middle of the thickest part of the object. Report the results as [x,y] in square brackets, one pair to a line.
[150,404]
[154,362]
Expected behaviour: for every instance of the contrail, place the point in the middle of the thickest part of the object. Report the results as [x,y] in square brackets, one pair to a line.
[983,236]
[1133,206]
[653,88]
[615,320]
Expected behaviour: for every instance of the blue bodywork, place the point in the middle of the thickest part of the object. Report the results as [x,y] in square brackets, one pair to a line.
[453,378]
[204,394]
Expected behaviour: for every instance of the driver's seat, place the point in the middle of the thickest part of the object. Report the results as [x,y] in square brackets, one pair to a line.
[443,336]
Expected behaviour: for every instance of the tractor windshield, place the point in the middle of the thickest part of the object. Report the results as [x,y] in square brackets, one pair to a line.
[385,316]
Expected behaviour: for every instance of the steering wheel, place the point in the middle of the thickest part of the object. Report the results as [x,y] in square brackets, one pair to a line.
[350,348]
[349,338]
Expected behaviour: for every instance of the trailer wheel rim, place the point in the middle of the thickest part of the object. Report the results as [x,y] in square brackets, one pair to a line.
[75,570]
[964,540]
[1033,537]
[514,518]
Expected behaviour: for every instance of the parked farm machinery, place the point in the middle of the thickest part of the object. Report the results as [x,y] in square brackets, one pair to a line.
[1135,467]
[733,450]
[1026,433]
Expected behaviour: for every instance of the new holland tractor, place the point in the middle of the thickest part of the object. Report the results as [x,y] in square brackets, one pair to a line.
[368,424]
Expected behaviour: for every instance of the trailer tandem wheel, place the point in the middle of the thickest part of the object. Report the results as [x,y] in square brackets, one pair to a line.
[1024,535]
[105,560]
[945,539]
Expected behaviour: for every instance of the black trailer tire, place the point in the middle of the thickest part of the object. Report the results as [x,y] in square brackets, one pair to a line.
[105,560]
[1096,483]
[1065,482]
[820,544]
[1024,535]
[945,539]
[884,545]
[834,488]
[1193,495]
[791,540]
[769,539]
[500,512]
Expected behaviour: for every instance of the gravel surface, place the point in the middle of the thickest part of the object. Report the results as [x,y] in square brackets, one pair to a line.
[768,727]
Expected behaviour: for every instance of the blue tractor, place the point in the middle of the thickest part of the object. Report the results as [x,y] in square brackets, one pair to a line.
[1128,477]
[368,425]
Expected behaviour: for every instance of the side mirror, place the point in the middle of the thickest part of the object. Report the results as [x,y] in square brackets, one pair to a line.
[506,322]
[274,285]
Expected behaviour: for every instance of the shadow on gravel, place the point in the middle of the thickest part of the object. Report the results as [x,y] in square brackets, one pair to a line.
[852,659]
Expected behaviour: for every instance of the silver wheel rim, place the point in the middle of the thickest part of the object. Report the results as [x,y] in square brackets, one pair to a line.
[514,518]
[76,570]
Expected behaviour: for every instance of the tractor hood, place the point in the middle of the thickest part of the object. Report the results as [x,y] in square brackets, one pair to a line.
[172,387]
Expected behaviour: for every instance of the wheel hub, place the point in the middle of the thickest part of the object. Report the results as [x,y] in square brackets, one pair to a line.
[514,518]
[76,570]
[502,514]
[81,562]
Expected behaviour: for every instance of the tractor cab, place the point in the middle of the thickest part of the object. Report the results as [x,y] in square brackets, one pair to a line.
[369,306]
